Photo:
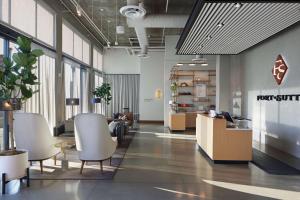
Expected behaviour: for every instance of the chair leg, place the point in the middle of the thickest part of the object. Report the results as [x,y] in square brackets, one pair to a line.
[55,159]
[110,161]
[3,183]
[41,166]
[27,177]
[30,163]
[101,165]
[82,164]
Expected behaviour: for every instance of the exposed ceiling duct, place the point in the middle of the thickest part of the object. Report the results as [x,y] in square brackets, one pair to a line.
[151,21]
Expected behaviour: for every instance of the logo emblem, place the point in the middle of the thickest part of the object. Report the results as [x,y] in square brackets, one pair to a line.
[279,69]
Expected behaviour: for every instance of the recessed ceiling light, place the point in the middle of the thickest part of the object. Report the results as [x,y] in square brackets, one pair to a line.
[237,5]
[101,9]
[204,64]
[192,64]
[220,24]
[179,64]
[108,21]
[209,37]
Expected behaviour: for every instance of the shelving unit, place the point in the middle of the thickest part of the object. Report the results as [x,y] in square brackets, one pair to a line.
[201,85]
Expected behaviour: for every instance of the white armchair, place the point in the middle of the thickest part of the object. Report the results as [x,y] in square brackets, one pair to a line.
[32,134]
[93,139]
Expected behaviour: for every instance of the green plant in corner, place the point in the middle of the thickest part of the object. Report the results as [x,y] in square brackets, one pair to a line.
[16,75]
[103,92]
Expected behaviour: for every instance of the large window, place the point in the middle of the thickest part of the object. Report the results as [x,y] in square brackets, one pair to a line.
[23,15]
[74,44]
[31,17]
[4,7]
[45,25]
[97,59]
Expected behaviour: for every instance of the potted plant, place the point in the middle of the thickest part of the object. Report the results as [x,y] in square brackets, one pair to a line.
[16,80]
[103,92]
[173,88]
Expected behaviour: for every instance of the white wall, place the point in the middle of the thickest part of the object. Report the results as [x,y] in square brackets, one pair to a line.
[118,61]
[152,78]
[274,123]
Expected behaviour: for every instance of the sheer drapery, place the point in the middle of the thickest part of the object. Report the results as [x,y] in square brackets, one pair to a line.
[85,90]
[47,89]
[125,92]
[32,104]
[43,102]
[99,107]
[72,86]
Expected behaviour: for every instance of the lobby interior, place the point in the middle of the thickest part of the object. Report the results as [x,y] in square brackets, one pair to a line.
[141,99]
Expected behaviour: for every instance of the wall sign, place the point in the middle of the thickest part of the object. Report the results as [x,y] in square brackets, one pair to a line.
[284,97]
[279,69]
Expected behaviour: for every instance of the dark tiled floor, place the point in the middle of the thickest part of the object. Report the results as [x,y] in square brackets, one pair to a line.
[159,165]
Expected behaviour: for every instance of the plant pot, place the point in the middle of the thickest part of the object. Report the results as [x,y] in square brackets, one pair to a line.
[10,104]
[13,164]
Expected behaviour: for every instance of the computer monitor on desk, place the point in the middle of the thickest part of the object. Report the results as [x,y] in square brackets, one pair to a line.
[227,116]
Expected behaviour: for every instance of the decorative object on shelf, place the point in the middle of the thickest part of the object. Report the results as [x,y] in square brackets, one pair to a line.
[173,88]
[158,93]
[16,80]
[185,93]
[184,84]
[72,102]
[103,92]
[201,90]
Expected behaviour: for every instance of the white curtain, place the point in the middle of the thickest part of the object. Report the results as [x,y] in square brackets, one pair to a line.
[32,104]
[72,86]
[99,107]
[85,90]
[47,89]
[43,102]
[125,90]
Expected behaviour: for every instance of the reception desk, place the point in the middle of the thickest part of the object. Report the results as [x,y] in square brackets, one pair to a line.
[221,143]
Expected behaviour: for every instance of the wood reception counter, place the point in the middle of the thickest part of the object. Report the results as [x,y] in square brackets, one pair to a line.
[221,143]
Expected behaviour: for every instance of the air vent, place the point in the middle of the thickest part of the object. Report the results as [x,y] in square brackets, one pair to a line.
[132,11]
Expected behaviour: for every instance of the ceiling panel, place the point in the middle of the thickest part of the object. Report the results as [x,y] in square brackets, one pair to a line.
[239,28]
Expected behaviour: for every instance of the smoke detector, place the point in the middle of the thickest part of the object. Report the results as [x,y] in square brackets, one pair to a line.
[132,11]
[199,58]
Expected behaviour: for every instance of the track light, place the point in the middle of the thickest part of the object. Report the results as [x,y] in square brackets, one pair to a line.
[237,5]
[220,24]
[78,11]
[209,37]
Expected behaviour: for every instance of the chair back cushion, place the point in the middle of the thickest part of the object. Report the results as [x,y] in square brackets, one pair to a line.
[93,139]
[32,134]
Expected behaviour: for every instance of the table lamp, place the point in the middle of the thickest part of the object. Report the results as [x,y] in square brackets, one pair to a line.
[72,102]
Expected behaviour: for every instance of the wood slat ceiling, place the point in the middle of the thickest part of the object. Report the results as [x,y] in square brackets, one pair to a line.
[242,27]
